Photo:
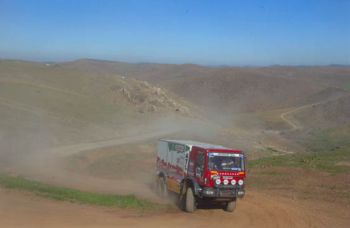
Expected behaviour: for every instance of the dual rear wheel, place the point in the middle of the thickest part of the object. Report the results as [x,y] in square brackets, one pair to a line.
[162,187]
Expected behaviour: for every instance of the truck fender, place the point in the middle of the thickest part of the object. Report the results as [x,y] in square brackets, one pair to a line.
[190,182]
[161,174]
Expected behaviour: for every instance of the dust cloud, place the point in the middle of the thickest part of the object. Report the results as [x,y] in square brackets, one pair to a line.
[38,150]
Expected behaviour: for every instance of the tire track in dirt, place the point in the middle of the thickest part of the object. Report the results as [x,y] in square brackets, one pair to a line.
[23,107]
[73,149]
[40,112]
[38,85]
[294,124]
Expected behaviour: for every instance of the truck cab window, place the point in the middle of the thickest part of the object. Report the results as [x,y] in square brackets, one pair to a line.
[223,162]
[200,164]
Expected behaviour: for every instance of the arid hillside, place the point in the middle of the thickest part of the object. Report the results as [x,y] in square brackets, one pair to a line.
[47,105]
[87,99]
[282,98]
[93,126]
[234,89]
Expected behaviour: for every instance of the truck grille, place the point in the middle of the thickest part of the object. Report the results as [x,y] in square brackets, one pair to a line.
[226,193]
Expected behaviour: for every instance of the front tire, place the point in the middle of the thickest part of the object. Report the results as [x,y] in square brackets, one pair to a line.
[230,206]
[190,203]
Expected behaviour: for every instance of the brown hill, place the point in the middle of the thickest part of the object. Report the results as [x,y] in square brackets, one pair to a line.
[98,97]
[232,89]
[44,105]
[329,114]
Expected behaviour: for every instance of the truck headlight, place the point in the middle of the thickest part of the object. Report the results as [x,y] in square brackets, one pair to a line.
[233,182]
[240,182]
[217,181]
[225,182]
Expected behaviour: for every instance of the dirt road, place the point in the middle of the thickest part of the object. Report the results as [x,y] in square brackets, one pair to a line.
[19,209]
[73,149]
[294,124]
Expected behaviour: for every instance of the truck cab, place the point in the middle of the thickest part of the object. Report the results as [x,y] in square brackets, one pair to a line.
[200,172]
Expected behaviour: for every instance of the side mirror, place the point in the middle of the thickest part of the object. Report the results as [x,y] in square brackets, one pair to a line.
[199,171]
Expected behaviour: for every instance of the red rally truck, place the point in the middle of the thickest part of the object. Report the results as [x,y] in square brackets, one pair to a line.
[200,173]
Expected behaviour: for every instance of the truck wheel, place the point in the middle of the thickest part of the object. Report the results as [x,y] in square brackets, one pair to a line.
[163,189]
[159,185]
[190,204]
[230,206]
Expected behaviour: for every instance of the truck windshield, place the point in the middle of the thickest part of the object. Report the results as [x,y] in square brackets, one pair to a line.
[225,162]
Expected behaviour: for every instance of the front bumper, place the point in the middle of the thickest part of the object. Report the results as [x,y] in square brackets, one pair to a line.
[219,192]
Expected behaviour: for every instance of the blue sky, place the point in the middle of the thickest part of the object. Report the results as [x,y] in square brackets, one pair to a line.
[236,32]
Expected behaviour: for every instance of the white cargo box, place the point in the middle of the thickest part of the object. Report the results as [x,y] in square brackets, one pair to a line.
[176,152]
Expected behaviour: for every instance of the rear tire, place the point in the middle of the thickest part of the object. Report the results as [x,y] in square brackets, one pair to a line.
[163,189]
[230,206]
[190,203]
[158,186]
